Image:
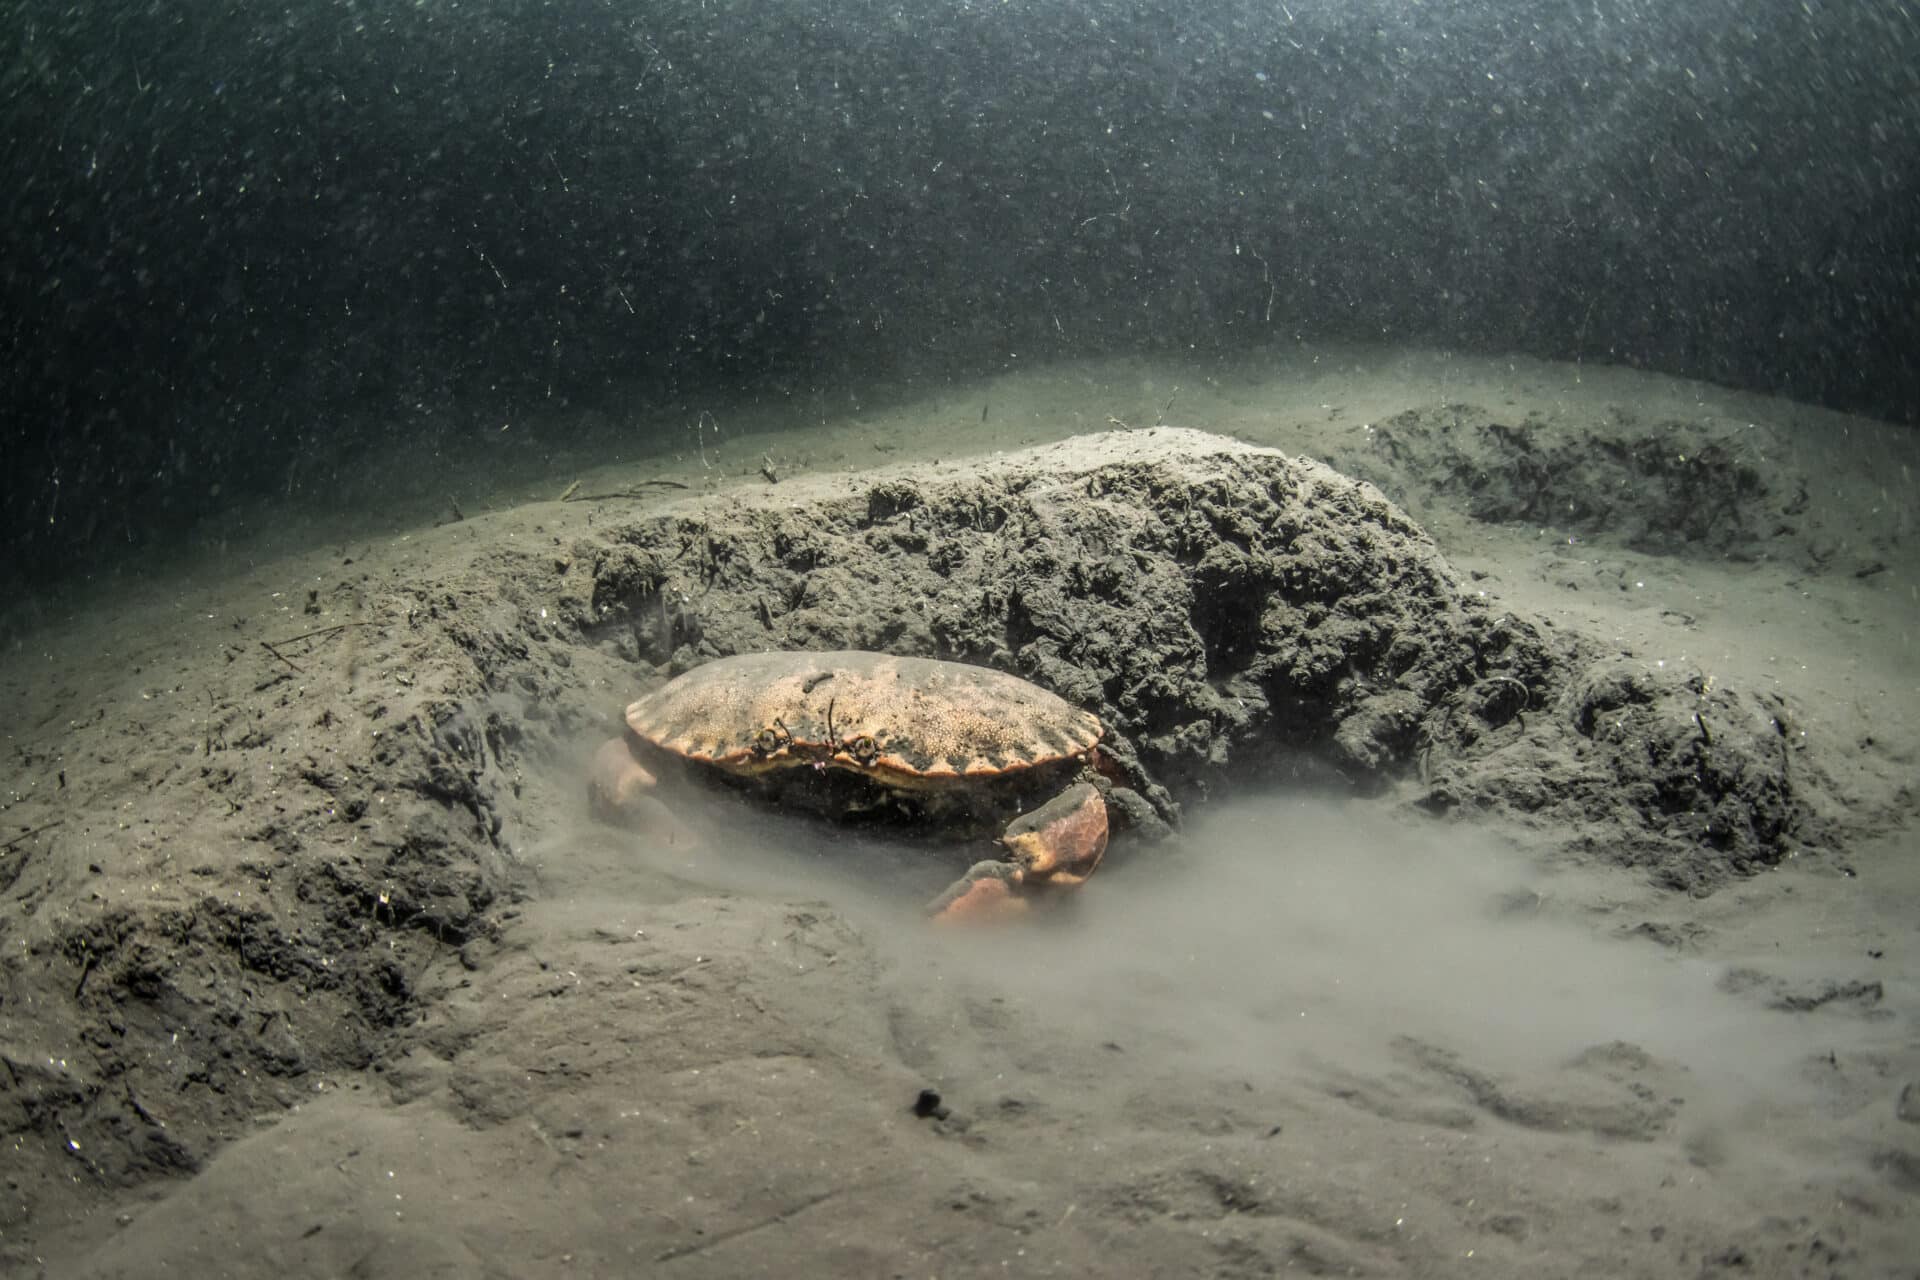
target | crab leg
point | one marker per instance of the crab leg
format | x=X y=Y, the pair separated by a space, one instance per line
x=616 y=782
x=620 y=792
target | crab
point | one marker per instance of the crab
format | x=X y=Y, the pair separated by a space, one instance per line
x=946 y=746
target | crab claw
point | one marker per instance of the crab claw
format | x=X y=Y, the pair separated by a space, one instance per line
x=989 y=893
x=1057 y=846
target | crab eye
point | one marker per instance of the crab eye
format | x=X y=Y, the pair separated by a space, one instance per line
x=862 y=748
x=767 y=741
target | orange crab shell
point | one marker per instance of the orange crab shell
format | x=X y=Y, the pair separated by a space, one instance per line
x=910 y=723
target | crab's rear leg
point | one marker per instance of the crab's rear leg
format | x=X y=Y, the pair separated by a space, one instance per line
x=1054 y=847
x=620 y=792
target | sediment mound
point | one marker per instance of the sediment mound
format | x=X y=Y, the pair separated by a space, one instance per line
x=226 y=881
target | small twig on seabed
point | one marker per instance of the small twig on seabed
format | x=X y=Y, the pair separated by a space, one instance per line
x=635 y=492
x=1526 y=694
x=272 y=646
x=318 y=632
x=28 y=834
x=268 y=646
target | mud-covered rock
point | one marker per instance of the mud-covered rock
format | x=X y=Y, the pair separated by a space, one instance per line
x=1221 y=607
x=233 y=889
x=1645 y=767
x=1679 y=487
x=1236 y=617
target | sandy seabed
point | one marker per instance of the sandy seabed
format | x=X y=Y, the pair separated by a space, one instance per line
x=315 y=966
